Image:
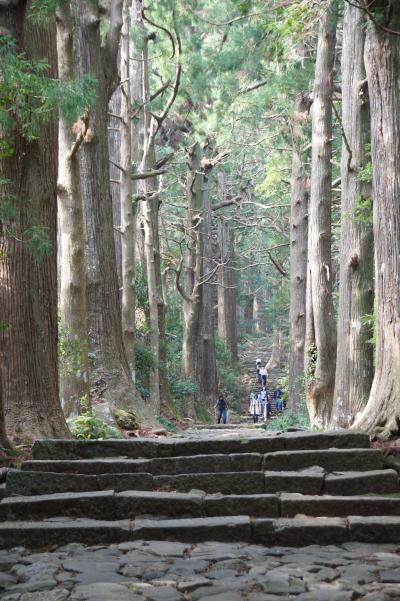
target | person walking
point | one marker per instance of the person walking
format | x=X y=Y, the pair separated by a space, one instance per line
x=278 y=399
x=255 y=407
x=263 y=374
x=258 y=364
x=221 y=410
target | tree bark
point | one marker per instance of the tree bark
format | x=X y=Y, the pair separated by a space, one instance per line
x=74 y=369
x=258 y=309
x=207 y=365
x=111 y=380
x=298 y=250
x=4 y=442
x=320 y=352
x=276 y=355
x=382 y=61
x=192 y=264
x=354 y=366
x=248 y=313
x=227 y=326
x=28 y=283
x=128 y=206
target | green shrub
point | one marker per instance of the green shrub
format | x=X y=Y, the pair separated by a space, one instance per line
x=86 y=426
x=167 y=424
x=182 y=388
x=287 y=420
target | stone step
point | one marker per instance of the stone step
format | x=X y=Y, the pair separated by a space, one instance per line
x=149 y=448
x=108 y=505
x=337 y=506
x=330 y=459
x=311 y=481
x=266 y=531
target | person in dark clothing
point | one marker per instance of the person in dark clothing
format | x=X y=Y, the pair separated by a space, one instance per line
x=278 y=399
x=221 y=410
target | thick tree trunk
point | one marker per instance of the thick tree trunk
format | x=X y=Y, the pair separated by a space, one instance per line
x=111 y=380
x=276 y=355
x=198 y=351
x=4 y=442
x=258 y=310
x=128 y=206
x=382 y=61
x=192 y=264
x=354 y=366
x=321 y=328
x=298 y=250
x=227 y=326
x=74 y=369
x=248 y=312
x=28 y=282
x=114 y=149
x=207 y=366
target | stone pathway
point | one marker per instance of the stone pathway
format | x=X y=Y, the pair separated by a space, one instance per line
x=171 y=571
x=214 y=516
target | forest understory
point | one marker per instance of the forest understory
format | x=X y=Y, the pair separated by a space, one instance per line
x=188 y=187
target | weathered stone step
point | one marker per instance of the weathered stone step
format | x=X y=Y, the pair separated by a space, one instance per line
x=330 y=459
x=337 y=506
x=108 y=505
x=157 y=466
x=37 y=483
x=312 y=481
x=281 y=531
x=175 y=447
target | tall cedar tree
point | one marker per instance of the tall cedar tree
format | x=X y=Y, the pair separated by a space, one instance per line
x=298 y=249
x=28 y=282
x=382 y=62
x=354 y=366
x=110 y=375
x=320 y=319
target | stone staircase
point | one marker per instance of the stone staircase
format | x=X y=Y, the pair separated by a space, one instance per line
x=292 y=489
x=258 y=347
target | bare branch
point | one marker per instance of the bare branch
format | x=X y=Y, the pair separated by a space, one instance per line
x=147 y=174
x=117 y=165
x=254 y=86
x=169 y=34
x=81 y=135
x=278 y=266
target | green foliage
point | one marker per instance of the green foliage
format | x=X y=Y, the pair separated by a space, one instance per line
x=7 y=202
x=144 y=360
x=71 y=349
x=88 y=427
x=365 y=174
x=43 y=10
x=363 y=211
x=168 y=425
x=38 y=241
x=29 y=97
x=228 y=373
x=312 y=356
x=369 y=321
x=183 y=388
x=288 y=420
x=141 y=288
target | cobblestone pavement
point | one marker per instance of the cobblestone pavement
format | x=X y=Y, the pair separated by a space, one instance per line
x=168 y=571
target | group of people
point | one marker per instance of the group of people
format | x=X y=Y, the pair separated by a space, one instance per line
x=260 y=403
